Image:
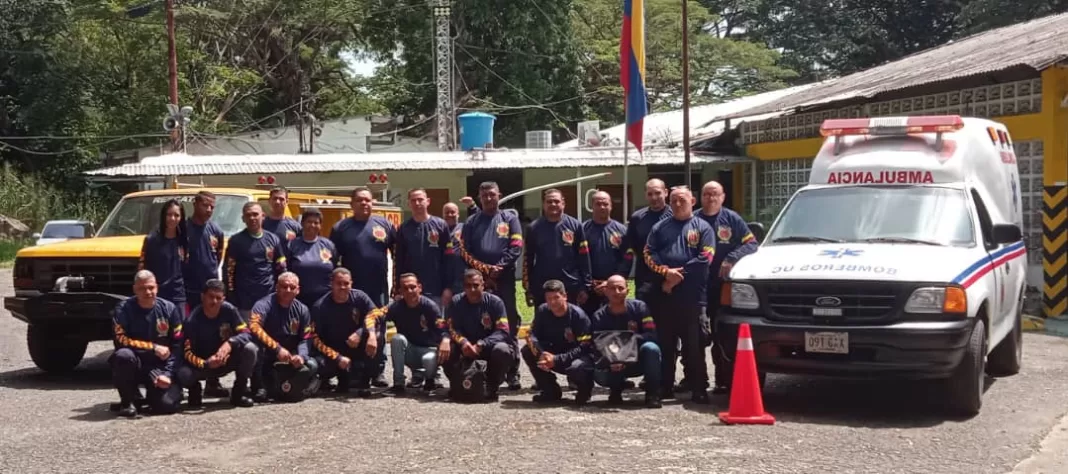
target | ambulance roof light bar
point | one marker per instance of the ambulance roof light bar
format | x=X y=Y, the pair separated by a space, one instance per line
x=891 y=126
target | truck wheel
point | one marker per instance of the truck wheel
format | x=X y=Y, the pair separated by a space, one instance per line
x=1007 y=356
x=52 y=352
x=965 y=386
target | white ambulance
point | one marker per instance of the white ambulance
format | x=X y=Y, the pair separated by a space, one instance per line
x=902 y=257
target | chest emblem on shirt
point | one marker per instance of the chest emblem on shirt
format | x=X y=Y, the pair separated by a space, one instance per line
x=213 y=241
x=693 y=237
x=502 y=229
x=325 y=255
x=224 y=331
x=724 y=233
x=379 y=233
x=269 y=251
x=294 y=326
x=290 y=235
x=568 y=237
x=569 y=335
x=355 y=315
x=162 y=327
x=432 y=238
x=632 y=326
x=422 y=322
x=615 y=240
x=487 y=321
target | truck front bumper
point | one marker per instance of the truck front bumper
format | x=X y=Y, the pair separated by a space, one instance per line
x=86 y=313
x=913 y=350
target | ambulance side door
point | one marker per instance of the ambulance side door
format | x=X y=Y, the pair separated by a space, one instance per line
x=994 y=278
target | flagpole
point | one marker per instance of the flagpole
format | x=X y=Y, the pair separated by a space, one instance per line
x=626 y=180
x=686 y=94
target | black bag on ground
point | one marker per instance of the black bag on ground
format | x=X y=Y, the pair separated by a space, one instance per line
x=616 y=347
x=470 y=383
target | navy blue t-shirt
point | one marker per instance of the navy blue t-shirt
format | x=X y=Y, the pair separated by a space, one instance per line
x=334 y=322
x=733 y=238
x=638 y=228
x=492 y=240
x=141 y=329
x=421 y=250
x=204 y=335
x=567 y=337
x=203 y=256
x=557 y=251
x=610 y=252
x=454 y=262
x=483 y=322
x=164 y=258
x=313 y=262
x=688 y=244
x=252 y=264
x=363 y=247
x=276 y=326
x=422 y=325
x=634 y=318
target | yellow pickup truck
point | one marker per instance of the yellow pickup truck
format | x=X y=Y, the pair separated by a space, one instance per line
x=67 y=291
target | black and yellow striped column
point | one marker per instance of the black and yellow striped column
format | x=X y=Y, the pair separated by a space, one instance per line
x=1054 y=250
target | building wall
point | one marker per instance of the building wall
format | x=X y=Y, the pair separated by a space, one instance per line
x=1031 y=110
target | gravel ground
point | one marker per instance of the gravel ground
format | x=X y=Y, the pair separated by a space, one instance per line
x=50 y=424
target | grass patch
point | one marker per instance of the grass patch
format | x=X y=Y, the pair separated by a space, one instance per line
x=8 y=249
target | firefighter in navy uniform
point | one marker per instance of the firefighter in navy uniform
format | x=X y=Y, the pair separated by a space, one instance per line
x=217 y=342
x=610 y=253
x=422 y=241
x=491 y=242
x=203 y=258
x=282 y=325
x=148 y=341
x=343 y=323
x=559 y=340
x=556 y=249
x=679 y=251
x=733 y=241
x=625 y=314
x=276 y=222
x=254 y=258
x=364 y=242
x=478 y=329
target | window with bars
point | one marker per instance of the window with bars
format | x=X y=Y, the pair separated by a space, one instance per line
x=779 y=180
x=1029 y=156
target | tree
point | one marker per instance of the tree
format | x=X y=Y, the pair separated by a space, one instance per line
x=981 y=15
x=721 y=68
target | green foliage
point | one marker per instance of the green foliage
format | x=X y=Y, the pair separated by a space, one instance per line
x=980 y=15
x=8 y=249
x=34 y=202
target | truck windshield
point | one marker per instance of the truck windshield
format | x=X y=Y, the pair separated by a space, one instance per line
x=920 y=215
x=140 y=215
x=71 y=230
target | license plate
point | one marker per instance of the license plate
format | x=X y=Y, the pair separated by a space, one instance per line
x=827 y=342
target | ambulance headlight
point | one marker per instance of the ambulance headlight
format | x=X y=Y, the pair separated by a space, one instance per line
x=937 y=300
x=744 y=296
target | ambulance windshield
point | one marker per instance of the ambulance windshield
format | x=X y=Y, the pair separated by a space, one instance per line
x=918 y=215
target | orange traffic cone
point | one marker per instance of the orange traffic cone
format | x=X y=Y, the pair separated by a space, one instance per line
x=747 y=404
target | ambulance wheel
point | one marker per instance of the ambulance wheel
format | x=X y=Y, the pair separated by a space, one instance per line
x=52 y=352
x=1007 y=356
x=965 y=387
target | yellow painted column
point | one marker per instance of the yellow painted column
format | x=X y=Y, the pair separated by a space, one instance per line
x=1055 y=193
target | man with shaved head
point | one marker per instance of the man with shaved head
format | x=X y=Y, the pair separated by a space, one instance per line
x=678 y=252
x=148 y=341
x=626 y=314
x=610 y=253
x=733 y=241
x=282 y=326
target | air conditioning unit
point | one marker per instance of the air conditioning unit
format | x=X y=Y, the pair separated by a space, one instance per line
x=589 y=133
x=540 y=139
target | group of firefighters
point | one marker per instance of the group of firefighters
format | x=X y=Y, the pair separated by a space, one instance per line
x=293 y=310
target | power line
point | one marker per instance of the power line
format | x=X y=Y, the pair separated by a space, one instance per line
x=5 y=145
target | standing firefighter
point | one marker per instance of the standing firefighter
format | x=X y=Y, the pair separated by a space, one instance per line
x=364 y=241
x=421 y=244
x=610 y=253
x=556 y=249
x=679 y=251
x=733 y=241
x=491 y=242
x=253 y=259
x=204 y=254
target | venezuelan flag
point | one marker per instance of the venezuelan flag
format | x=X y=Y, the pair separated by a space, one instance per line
x=632 y=68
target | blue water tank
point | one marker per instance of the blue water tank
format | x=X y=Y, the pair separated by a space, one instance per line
x=476 y=130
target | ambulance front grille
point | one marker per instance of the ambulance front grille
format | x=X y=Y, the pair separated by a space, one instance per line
x=858 y=302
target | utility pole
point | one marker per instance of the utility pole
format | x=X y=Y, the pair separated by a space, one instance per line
x=172 y=68
x=686 y=93
x=442 y=10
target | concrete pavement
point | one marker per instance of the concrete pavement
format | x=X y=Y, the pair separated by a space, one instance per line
x=50 y=424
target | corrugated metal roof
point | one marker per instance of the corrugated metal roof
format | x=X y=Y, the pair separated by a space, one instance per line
x=665 y=128
x=1037 y=44
x=196 y=165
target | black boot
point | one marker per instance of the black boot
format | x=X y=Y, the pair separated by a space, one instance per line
x=214 y=389
x=196 y=396
x=550 y=393
x=127 y=409
x=615 y=397
x=344 y=383
x=584 y=394
x=237 y=395
x=652 y=399
x=700 y=397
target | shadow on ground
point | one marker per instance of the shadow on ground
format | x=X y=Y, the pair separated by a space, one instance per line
x=92 y=374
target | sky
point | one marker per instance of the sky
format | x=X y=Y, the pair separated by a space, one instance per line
x=360 y=66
